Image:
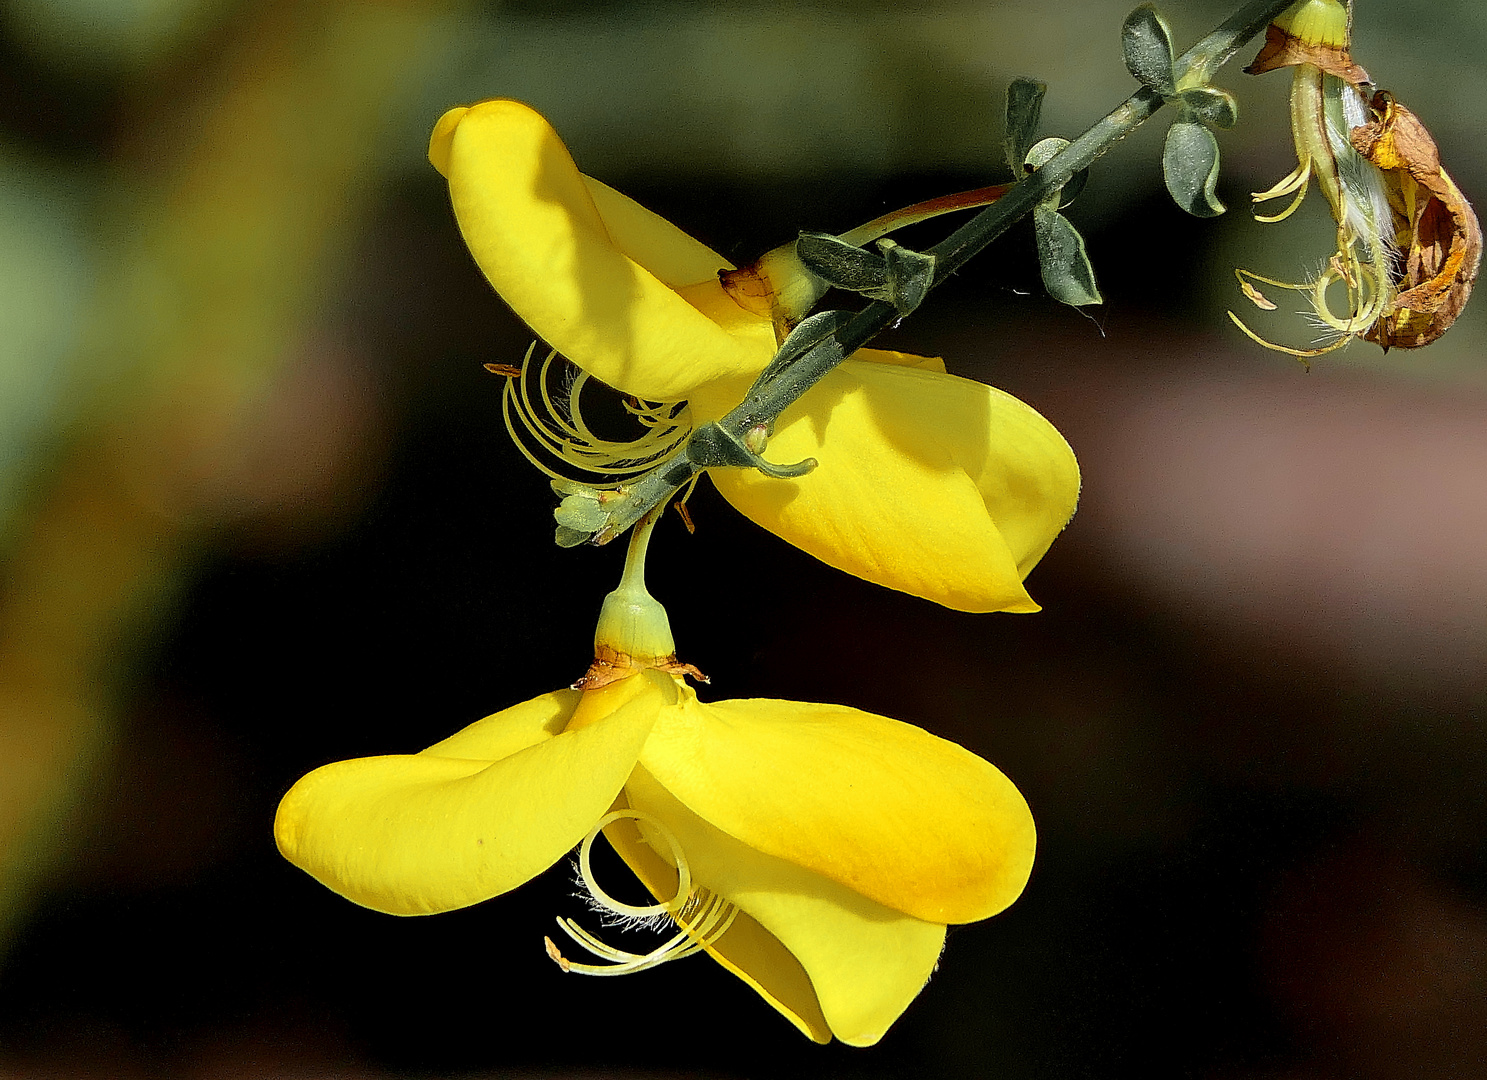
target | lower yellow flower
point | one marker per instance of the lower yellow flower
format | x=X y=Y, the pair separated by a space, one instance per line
x=818 y=852
x=835 y=845
x=930 y=484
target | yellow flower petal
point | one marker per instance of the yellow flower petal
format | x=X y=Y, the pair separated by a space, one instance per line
x=909 y=820
x=673 y=256
x=670 y=254
x=529 y=218
x=866 y=962
x=504 y=733
x=746 y=949
x=935 y=364
x=930 y=484
x=415 y=834
x=442 y=137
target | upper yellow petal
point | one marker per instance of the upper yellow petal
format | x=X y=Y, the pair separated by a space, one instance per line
x=415 y=834
x=530 y=220
x=931 y=484
x=866 y=962
x=890 y=811
x=674 y=257
x=504 y=733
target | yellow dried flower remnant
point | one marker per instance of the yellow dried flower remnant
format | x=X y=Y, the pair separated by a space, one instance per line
x=1436 y=232
x=931 y=484
x=1408 y=243
x=1312 y=39
x=815 y=851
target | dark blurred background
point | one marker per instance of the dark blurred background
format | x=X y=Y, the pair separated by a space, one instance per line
x=258 y=512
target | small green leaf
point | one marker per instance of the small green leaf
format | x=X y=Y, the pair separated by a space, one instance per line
x=839 y=263
x=898 y=275
x=1067 y=274
x=573 y=487
x=1024 y=107
x=1040 y=155
x=808 y=333
x=910 y=274
x=1147 y=42
x=565 y=537
x=1072 y=189
x=1190 y=164
x=1044 y=151
x=1210 y=105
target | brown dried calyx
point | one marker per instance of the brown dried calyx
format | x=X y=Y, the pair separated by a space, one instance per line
x=1436 y=229
x=1315 y=32
x=1282 y=49
x=610 y=666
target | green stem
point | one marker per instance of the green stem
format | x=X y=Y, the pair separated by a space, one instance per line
x=631 y=622
x=632 y=579
x=766 y=400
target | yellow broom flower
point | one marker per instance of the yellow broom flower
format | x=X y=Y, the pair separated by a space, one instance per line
x=930 y=484
x=818 y=852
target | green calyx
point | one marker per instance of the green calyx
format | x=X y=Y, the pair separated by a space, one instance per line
x=632 y=623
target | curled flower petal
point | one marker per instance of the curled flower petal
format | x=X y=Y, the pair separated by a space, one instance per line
x=866 y=962
x=674 y=257
x=415 y=834
x=504 y=733
x=937 y=486
x=530 y=220
x=1436 y=229
x=886 y=809
x=746 y=949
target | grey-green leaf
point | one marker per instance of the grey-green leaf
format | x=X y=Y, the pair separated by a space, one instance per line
x=841 y=264
x=1024 y=107
x=1072 y=189
x=808 y=333
x=1210 y=105
x=1044 y=151
x=571 y=538
x=1190 y=164
x=1147 y=41
x=1067 y=274
x=910 y=274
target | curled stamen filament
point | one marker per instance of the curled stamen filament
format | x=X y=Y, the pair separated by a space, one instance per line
x=705 y=918
x=1366 y=301
x=1296 y=182
x=700 y=915
x=557 y=436
x=1324 y=110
